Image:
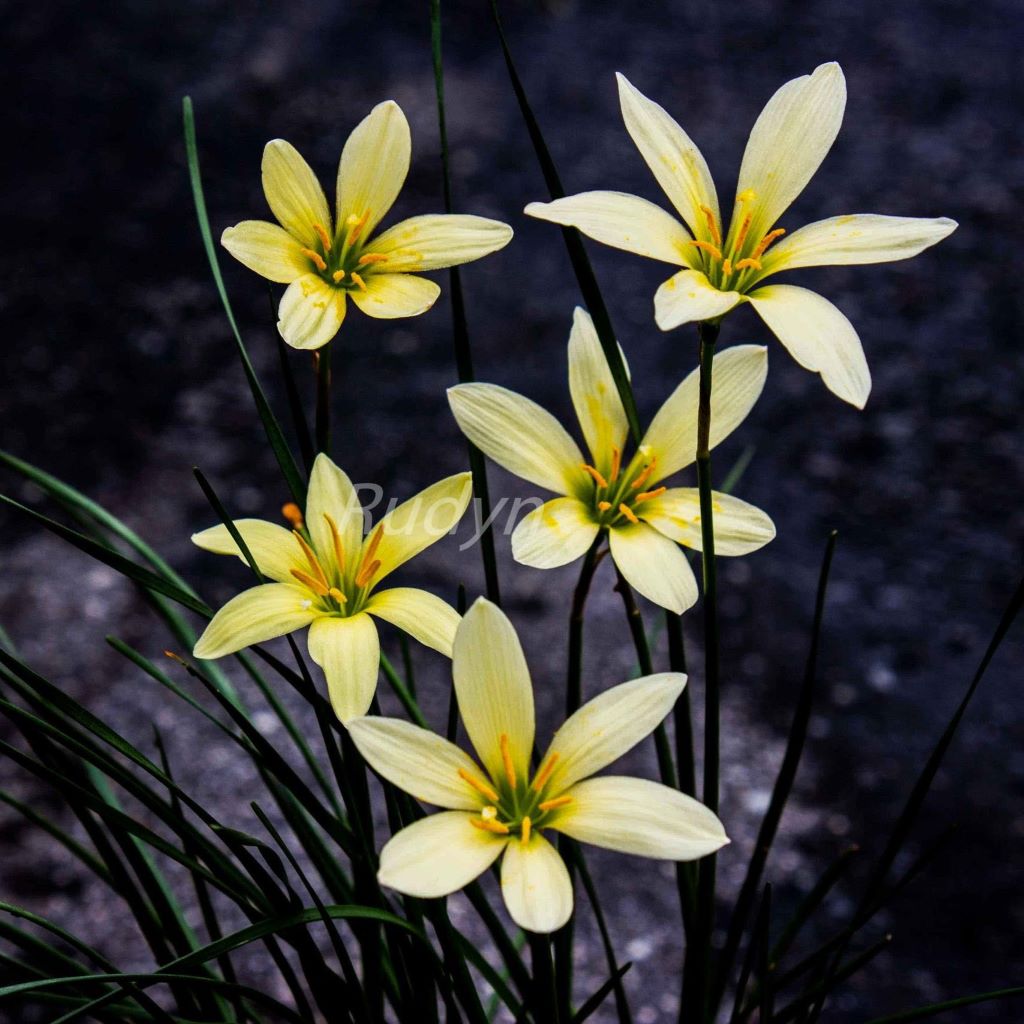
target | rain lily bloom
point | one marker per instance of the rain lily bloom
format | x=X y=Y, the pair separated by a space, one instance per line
x=325 y=574
x=726 y=264
x=644 y=519
x=323 y=260
x=505 y=807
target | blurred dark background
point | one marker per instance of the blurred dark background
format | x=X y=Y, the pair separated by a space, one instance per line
x=119 y=375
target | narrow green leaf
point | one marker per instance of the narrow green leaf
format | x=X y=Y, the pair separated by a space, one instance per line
x=593 y=1004
x=934 y=1009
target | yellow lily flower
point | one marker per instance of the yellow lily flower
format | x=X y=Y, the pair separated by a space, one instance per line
x=325 y=573
x=645 y=521
x=324 y=261
x=727 y=265
x=504 y=807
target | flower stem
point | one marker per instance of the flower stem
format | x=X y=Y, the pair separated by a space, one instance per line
x=574 y=686
x=544 y=980
x=322 y=364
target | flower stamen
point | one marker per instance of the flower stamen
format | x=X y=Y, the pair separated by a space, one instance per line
x=481 y=787
x=506 y=760
x=315 y=257
x=293 y=514
x=525 y=833
x=616 y=463
x=314 y=562
x=355 y=225
x=339 y=551
x=338 y=275
x=708 y=247
x=712 y=225
x=766 y=241
x=369 y=565
x=358 y=280
x=628 y=513
x=647 y=495
x=645 y=474
x=318 y=588
x=337 y=595
x=603 y=506
x=372 y=257
x=550 y=805
x=727 y=266
x=486 y=825
x=594 y=474
x=545 y=773
x=750 y=262
x=325 y=239
x=741 y=235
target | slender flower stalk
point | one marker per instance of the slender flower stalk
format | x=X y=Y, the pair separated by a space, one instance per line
x=725 y=265
x=501 y=808
x=325 y=574
x=326 y=260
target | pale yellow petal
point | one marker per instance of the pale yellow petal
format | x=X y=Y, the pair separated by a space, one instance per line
x=311 y=312
x=427 y=618
x=433 y=241
x=419 y=762
x=535 y=885
x=739 y=528
x=392 y=296
x=272 y=546
x=438 y=855
x=267 y=249
x=672 y=156
x=788 y=142
x=293 y=193
x=261 y=613
x=640 y=817
x=520 y=436
x=331 y=494
x=348 y=650
x=373 y=167
x=654 y=566
x=856 y=238
x=594 y=394
x=557 y=533
x=623 y=221
x=419 y=522
x=689 y=297
x=818 y=336
x=737 y=379
x=611 y=724
x=492 y=684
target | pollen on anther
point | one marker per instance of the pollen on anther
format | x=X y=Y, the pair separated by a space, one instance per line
x=727 y=266
x=480 y=787
x=603 y=506
x=358 y=280
x=325 y=239
x=293 y=514
x=550 y=805
x=337 y=595
x=647 y=495
x=506 y=760
x=338 y=275
x=372 y=257
x=545 y=773
x=525 y=836
x=628 y=513
x=316 y=258
x=709 y=216
x=616 y=463
x=594 y=475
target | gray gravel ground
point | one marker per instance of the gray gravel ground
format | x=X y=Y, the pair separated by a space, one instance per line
x=118 y=374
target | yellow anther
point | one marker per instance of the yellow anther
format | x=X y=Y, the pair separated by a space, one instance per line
x=647 y=495
x=337 y=595
x=338 y=275
x=628 y=513
x=367 y=572
x=358 y=280
x=741 y=235
x=325 y=239
x=506 y=760
x=597 y=478
x=489 y=826
x=315 y=585
x=339 y=551
x=545 y=773
x=550 y=805
x=766 y=241
x=293 y=514
x=315 y=257
x=355 y=225
x=368 y=566
x=727 y=266
x=372 y=257
x=525 y=836
x=645 y=474
x=481 y=787
x=743 y=264
x=603 y=506
x=616 y=462
x=748 y=195
x=314 y=562
x=708 y=247
x=712 y=224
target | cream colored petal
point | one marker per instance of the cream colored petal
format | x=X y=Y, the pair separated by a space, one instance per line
x=675 y=161
x=520 y=436
x=272 y=546
x=739 y=528
x=348 y=650
x=418 y=761
x=331 y=494
x=654 y=566
x=737 y=379
x=623 y=221
x=689 y=297
x=438 y=855
x=391 y=296
x=856 y=238
x=311 y=312
x=788 y=142
x=818 y=336
x=419 y=522
x=640 y=817
x=439 y=240
x=373 y=167
x=427 y=618
x=261 y=613
x=492 y=684
x=267 y=249
x=293 y=193
x=557 y=533
x=535 y=884
x=611 y=724
x=594 y=394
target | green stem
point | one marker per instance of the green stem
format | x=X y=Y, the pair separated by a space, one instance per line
x=545 y=998
x=322 y=363
x=574 y=686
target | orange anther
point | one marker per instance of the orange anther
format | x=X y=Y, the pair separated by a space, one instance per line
x=316 y=258
x=293 y=514
x=594 y=474
x=628 y=513
x=545 y=773
x=481 y=787
x=712 y=224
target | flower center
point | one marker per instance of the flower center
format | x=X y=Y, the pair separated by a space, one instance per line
x=342 y=261
x=726 y=265
x=516 y=806
x=616 y=497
